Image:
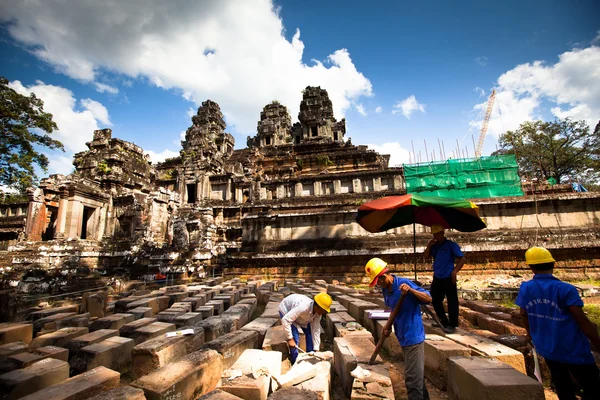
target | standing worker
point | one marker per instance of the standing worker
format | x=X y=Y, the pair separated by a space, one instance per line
x=408 y=324
x=299 y=310
x=448 y=259
x=558 y=328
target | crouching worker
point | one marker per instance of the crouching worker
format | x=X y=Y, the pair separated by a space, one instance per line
x=408 y=324
x=298 y=310
x=552 y=313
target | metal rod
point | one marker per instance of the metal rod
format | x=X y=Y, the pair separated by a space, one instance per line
x=426 y=152
x=415 y=248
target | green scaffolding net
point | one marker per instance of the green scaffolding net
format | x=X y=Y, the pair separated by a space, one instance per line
x=467 y=178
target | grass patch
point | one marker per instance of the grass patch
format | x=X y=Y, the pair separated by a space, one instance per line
x=593 y=313
x=587 y=281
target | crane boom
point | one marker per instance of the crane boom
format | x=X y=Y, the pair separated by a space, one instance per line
x=486 y=121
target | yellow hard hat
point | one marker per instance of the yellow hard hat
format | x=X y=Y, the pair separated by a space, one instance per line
x=323 y=300
x=374 y=269
x=538 y=255
x=436 y=228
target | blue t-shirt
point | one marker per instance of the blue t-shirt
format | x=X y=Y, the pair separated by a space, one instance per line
x=408 y=324
x=554 y=331
x=443 y=258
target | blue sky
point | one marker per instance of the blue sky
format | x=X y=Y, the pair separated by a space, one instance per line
x=398 y=71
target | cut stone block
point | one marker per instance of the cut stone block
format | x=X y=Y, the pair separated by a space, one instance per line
x=141 y=312
x=320 y=384
x=240 y=313
x=115 y=321
x=113 y=353
x=334 y=318
x=9 y=349
x=348 y=352
x=187 y=319
x=169 y=315
x=195 y=302
x=342 y=330
x=37 y=376
x=16 y=332
x=176 y=297
x=34 y=316
x=89 y=338
x=158 y=352
x=253 y=303
x=246 y=386
x=232 y=345
x=293 y=393
x=26 y=359
x=122 y=304
x=151 y=331
x=94 y=304
x=60 y=338
x=76 y=320
x=215 y=327
x=80 y=387
x=437 y=352
x=121 y=393
x=206 y=311
x=271 y=310
x=185 y=379
x=218 y=394
x=356 y=309
x=187 y=306
x=218 y=306
x=479 y=378
x=163 y=302
x=377 y=386
x=275 y=340
x=128 y=329
x=145 y=303
x=260 y=326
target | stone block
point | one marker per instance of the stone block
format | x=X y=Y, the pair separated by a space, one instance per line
x=501 y=315
x=253 y=305
x=89 y=338
x=15 y=332
x=342 y=330
x=79 y=320
x=470 y=315
x=437 y=352
x=195 y=302
x=151 y=331
x=240 y=313
x=40 y=323
x=206 y=311
x=187 y=306
x=271 y=310
x=60 y=338
x=356 y=309
x=23 y=360
x=145 y=303
x=141 y=312
x=215 y=327
x=260 y=326
x=218 y=306
x=232 y=345
x=113 y=353
x=163 y=302
x=345 y=301
x=121 y=305
x=185 y=379
x=320 y=385
x=187 y=319
x=13 y=348
x=275 y=340
x=348 y=352
x=115 y=321
x=218 y=394
x=34 y=316
x=227 y=298
x=37 y=376
x=80 y=387
x=479 y=378
x=247 y=387
x=94 y=304
x=377 y=386
x=336 y=318
x=176 y=297
x=121 y=393
x=128 y=329
x=158 y=352
x=517 y=342
x=169 y=315
x=293 y=393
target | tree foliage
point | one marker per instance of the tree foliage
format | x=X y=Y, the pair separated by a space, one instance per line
x=558 y=149
x=25 y=128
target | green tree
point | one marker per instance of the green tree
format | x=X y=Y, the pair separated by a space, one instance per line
x=554 y=149
x=25 y=128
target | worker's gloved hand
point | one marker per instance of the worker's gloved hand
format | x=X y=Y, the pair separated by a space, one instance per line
x=291 y=343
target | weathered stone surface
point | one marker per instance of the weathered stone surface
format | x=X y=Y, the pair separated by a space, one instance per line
x=80 y=387
x=334 y=318
x=232 y=345
x=184 y=379
x=13 y=348
x=293 y=393
x=121 y=393
x=240 y=314
x=30 y=379
x=141 y=312
x=60 y=338
x=115 y=321
x=275 y=340
x=22 y=360
x=89 y=338
x=437 y=352
x=36 y=315
x=16 y=332
x=158 y=352
x=150 y=331
x=218 y=306
x=113 y=353
x=260 y=326
x=246 y=386
x=187 y=319
x=348 y=352
x=271 y=310
x=356 y=309
x=215 y=327
x=128 y=329
x=145 y=303
x=320 y=384
x=218 y=394
x=206 y=311
x=377 y=386
x=479 y=378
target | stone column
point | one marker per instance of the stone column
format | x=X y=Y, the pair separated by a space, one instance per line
x=356 y=186
x=337 y=186
x=280 y=192
x=228 y=190
x=74 y=219
x=298 y=189
x=377 y=184
x=61 y=217
x=398 y=182
x=36 y=216
x=317 y=188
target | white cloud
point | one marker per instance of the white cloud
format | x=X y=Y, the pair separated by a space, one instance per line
x=408 y=106
x=398 y=155
x=181 y=137
x=479 y=91
x=190 y=113
x=101 y=87
x=378 y=110
x=361 y=109
x=482 y=60
x=568 y=88
x=76 y=125
x=162 y=156
x=233 y=52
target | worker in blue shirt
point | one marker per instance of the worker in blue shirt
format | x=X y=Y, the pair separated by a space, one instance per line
x=558 y=328
x=448 y=260
x=408 y=324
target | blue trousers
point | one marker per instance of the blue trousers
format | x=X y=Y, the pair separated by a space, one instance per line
x=309 y=341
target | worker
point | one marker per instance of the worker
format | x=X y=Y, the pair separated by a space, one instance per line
x=558 y=328
x=448 y=260
x=408 y=324
x=298 y=310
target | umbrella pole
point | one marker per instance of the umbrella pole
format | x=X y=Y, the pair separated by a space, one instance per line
x=415 y=249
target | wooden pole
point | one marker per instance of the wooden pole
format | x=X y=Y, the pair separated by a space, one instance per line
x=388 y=327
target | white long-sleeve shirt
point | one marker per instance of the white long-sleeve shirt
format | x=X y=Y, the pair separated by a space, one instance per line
x=298 y=309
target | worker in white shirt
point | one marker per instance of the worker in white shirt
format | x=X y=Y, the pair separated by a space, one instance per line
x=299 y=310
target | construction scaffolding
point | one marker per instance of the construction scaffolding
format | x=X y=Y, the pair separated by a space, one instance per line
x=466 y=178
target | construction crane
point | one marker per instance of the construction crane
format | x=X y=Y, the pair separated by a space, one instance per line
x=484 y=125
